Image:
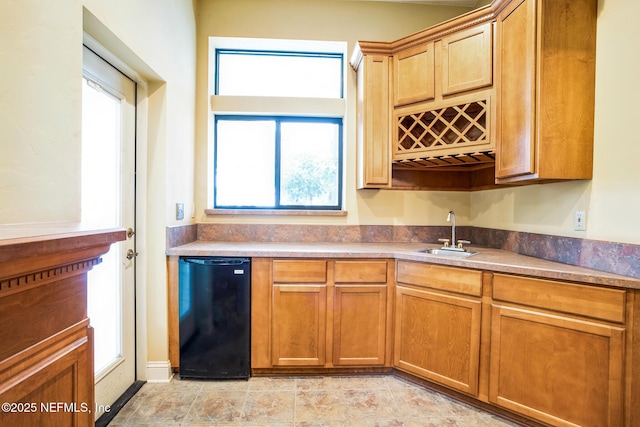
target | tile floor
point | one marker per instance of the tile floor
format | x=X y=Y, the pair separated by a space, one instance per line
x=331 y=401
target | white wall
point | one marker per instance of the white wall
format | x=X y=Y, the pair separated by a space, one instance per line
x=40 y=93
x=40 y=119
x=612 y=198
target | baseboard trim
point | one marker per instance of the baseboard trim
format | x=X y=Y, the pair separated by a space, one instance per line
x=159 y=372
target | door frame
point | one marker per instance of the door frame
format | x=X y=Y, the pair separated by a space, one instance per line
x=140 y=227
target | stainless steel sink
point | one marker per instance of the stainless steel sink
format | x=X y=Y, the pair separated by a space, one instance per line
x=448 y=253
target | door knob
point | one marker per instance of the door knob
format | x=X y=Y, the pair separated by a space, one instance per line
x=130 y=232
x=131 y=254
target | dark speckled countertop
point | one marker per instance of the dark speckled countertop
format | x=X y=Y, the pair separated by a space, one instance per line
x=487 y=259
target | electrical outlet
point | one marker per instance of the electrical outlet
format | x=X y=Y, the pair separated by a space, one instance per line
x=179 y=210
x=579 y=221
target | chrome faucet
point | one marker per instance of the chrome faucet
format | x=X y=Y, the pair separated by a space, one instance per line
x=452 y=218
x=455 y=245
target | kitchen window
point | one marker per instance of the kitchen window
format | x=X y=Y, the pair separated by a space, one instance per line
x=278 y=162
x=277 y=140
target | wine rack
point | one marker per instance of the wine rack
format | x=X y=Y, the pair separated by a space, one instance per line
x=451 y=135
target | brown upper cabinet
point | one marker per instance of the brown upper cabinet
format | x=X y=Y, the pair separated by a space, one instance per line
x=457 y=62
x=467 y=59
x=374 y=109
x=546 y=90
x=501 y=95
x=442 y=100
x=414 y=74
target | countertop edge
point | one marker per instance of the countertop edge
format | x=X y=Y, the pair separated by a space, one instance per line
x=495 y=260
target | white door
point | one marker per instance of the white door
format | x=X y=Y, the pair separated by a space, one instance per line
x=108 y=200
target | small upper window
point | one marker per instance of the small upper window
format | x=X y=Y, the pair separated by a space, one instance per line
x=282 y=74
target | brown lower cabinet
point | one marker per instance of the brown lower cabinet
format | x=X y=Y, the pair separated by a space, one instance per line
x=437 y=337
x=298 y=325
x=321 y=313
x=437 y=333
x=557 y=351
x=557 y=369
x=553 y=351
x=360 y=325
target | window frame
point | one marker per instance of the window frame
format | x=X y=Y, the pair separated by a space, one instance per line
x=290 y=106
x=279 y=119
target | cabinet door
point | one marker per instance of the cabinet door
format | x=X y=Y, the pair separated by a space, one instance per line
x=51 y=384
x=467 y=59
x=299 y=325
x=559 y=370
x=359 y=325
x=374 y=123
x=414 y=74
x=515 y=90
x=437 y=337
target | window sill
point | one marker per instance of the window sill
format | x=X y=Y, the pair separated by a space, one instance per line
x=275 y=212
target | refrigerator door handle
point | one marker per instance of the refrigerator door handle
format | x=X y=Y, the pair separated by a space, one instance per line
x=216 y=261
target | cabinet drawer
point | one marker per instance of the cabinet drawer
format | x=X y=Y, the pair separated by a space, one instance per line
x=440 y=277
x=583 y=300
x=361 y=271
x=299 y=271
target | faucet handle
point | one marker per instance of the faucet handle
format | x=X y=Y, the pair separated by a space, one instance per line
x=445 y=241
x=463 y=242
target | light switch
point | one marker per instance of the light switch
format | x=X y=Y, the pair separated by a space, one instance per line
x=580 y=221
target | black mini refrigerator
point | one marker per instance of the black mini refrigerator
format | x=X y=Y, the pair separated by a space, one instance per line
x=215 y=322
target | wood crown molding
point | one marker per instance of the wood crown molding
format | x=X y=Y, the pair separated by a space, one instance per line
x=445 y=28
x=31 y=280
x=30 y=262
x=470 y=19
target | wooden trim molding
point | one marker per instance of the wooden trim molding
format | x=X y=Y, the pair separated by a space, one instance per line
x=475 y=17
x=43 y=277
x=438 y=31
x=25 y=255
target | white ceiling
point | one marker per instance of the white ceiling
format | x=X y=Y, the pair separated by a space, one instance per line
x=466 y=3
